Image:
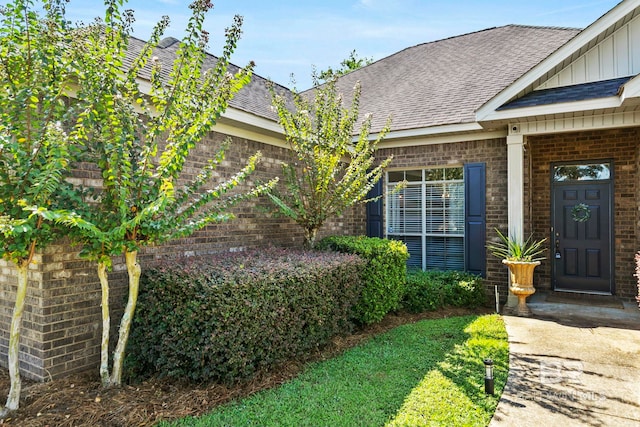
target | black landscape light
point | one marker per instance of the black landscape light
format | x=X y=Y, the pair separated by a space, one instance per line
x=488 y=376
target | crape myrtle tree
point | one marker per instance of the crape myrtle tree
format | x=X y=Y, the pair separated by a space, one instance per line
x=330 y=170
x=36 y=67
x=140 y=137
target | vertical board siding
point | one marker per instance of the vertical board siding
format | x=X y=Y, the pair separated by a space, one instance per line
x=588 y=122
x=618 y=55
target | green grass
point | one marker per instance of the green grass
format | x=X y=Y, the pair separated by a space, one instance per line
x=422 y=374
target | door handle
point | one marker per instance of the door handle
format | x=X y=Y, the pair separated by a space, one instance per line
x=558 y=254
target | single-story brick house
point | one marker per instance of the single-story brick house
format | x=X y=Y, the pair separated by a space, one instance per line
x=509 y=128
x=516 y=128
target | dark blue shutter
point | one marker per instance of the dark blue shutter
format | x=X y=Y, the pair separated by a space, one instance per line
x=475 y=220
x=374 y=212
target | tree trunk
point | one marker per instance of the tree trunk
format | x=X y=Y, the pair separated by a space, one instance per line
x=133 y=268
x=13 y=399
x=310 y=237
x=106 y=324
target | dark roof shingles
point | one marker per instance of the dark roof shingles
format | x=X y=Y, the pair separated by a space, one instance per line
x=436 y=83
x=445 y=82
x=580 y=92
x=253 y=98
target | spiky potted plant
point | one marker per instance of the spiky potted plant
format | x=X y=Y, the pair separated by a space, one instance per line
x=521 y=257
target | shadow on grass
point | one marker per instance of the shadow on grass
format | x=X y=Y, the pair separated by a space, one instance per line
x=367 y=385
x=453 y=393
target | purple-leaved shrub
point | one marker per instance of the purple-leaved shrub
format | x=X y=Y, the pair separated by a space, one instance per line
x=224 y=317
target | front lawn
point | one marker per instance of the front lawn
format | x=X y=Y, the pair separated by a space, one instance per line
x=427 y=373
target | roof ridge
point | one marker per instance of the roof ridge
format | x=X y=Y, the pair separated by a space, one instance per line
x=495 y=28
x=170 y=41
x=550 y=27
x=465 y=35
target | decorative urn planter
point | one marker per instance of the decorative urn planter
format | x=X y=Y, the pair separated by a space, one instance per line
x=521 y=274
x=521 y=257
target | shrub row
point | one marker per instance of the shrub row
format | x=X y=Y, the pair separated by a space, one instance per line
x=225 y=317
x=384 y=275
x=431 y=290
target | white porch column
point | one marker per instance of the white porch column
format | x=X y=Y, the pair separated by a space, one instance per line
x=515 y=180
x=515 y=173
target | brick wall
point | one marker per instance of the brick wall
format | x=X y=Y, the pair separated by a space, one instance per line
x=62 y=321
x=621 y=145
x=492 y=152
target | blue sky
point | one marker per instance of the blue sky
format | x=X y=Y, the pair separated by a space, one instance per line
x=289 y=36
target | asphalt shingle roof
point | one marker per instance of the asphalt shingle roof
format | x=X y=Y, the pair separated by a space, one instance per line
x=436 y=83
x=446 y=81
x=253 y=98
x=580 y=92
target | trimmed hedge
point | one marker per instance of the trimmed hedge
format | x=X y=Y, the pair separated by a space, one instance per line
x=431 y=290
x=227 y=316
x=384 y=276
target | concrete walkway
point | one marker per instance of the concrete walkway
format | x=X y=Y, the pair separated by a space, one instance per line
x=572 y=365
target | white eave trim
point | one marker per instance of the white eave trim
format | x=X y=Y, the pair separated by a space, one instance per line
x=630 y=90
x=245 y=125
x=252 y=120
x=559 y=108
x=230 y=113
x=239 y=123
x=564 y=52
x=430 y=131
x=447 y=134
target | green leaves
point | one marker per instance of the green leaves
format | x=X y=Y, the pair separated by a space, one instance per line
x=433 y=290
x=36 y=148
x=384 y=274
x=512 y=249
x=141 y=136
x=328 y=171
x=346 y=66
x=75 y=94
x=121 y=124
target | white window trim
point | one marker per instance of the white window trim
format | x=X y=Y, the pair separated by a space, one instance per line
x=423 y=234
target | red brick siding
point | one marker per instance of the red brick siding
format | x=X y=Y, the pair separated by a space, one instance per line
x=492 y=152
x=62 y=322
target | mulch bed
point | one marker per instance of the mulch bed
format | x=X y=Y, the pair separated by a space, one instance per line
x=79 y=400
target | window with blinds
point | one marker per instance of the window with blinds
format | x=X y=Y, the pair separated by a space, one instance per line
x=428 y=215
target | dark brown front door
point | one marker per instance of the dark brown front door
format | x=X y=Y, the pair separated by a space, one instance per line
x=582 y=249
